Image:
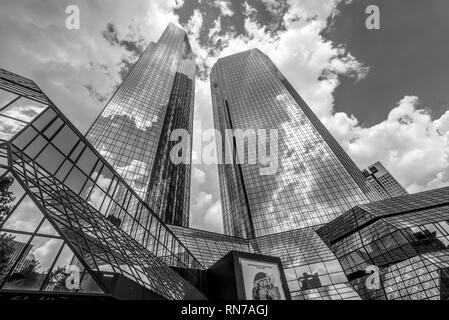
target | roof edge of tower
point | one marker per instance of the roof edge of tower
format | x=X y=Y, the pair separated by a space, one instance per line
x=237 y=54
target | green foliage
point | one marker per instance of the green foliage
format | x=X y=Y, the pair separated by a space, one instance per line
x=6 y=241
x=6 y=196
x=6 y=251
x=26 y=276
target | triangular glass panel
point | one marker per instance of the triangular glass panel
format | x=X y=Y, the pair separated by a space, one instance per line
x=12 y=246
x=47 y=229
x=89 y=285
x=26 y=217
x=34 y=265
x=66 y=274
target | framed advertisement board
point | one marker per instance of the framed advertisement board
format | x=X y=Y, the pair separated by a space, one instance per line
x=262 y=280
x=247 y=276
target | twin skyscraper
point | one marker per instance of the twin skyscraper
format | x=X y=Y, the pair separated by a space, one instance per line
x=315 y=182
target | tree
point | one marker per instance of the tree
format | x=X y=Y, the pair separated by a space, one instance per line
x=6 y=241
x=26 y=276
x=6 y=196
x=6 y=251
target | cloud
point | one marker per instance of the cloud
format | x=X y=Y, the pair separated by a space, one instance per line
x=213 y=219
x=224 y=6
x=202 y=199
x=136 y=173
x=132 y=42
x=276 y=7
x=248 y=10
x=409 y=143
x=45 y=250
x=194 y=25
x=207 y=212
x=198 y=175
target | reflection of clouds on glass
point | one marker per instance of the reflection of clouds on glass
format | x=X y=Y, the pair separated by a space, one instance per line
x=140 y=121
x=9 y=127
x=23 y=110
x=296 y=178
x=25 y=218
x=45 y=250
x=17 y=192
x=6 y=97
x=104 y=152
x=135 y=173
x=67 y=258
x=47 y=229
x=105 y=268
x=97 y=195
x=131 y=132
x=103 y=182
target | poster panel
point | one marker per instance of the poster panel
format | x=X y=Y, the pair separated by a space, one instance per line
x=262 y=280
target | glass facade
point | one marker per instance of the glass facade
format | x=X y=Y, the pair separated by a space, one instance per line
x=406 y=237
x=209 y=247
x=383 y=181
x=64 y=206
x=133 y=131
x=316 y=180
x=312 y=271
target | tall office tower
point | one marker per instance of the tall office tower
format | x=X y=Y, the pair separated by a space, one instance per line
x=316 y=180
x=133 y=130
x=383 y=181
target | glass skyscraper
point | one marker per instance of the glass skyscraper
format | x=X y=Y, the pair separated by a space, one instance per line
x=316 y=181
x=383 y=181
x=133 y=131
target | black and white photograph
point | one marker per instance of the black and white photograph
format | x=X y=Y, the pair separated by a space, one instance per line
x=154 y=150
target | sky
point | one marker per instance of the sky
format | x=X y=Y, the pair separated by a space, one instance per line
x=382 y=93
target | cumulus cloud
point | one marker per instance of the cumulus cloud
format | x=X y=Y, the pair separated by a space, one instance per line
x=225 y=7
x=409 y=143
x=275 y=7
x=207 y=212
x=198 y=175
x=213 y=218
x=44 y=251
x=133 y=42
